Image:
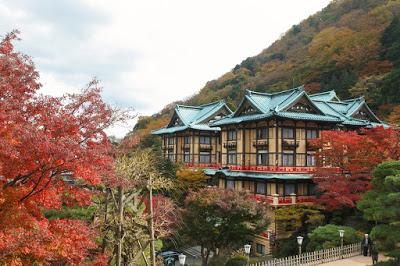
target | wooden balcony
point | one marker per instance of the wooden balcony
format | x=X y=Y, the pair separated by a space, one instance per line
x=168 y=147
x=230 y=144
x=205 y=147
x=276 y=200
x=186 y=146
x=260 y=143
x=290 y=143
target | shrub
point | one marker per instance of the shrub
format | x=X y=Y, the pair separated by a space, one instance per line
x=327 y=236
x=237 y=261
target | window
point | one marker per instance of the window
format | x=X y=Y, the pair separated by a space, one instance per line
x=262 y=157
x=311 y=189
x=231 y=135
x=270 y=188
x=312 y=133
x=231 y=157
x=280 y=189
x=186 y=140
x=186 y=156
x=302 y=189
x=311 y=159
x=171 y=141
x=260 y=188
x=288 y=158
x=289 y=189
x=248 y=185
x=171 y=157
x=205 y=157
x=260 y=249
x=288 y=133
x=204 y=140
x=230 y=184
x=262 y=133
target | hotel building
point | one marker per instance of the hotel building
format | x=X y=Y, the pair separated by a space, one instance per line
x=263 y=147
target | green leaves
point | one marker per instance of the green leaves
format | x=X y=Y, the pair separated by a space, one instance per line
x=327 y=236
x=382 y=205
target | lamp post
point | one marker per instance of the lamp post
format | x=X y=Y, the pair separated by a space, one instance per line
x=299 y=242
x=247 y=248
x=341 y=234
x=182 y=259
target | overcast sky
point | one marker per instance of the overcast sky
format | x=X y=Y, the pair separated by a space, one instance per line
x=146 y=53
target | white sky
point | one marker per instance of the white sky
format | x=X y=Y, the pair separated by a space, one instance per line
x=146 y=53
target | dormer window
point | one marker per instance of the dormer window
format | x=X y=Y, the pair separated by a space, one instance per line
x=248 y=110
x=300 y=107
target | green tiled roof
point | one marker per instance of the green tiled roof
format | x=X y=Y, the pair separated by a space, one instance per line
x=327 y=107
x=325 y=96
x=264 y=176
x=194 y=117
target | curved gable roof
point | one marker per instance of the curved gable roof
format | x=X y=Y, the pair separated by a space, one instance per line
x=193 y=116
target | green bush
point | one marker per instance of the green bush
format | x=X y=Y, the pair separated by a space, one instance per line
x=327 y=236
x=388 y=263
x=237 y=261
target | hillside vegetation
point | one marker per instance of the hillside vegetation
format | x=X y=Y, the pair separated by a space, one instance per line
x=351 y=46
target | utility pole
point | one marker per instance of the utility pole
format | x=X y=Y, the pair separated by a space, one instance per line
x=152 y=249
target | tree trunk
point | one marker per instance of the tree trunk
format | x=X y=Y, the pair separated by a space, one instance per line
x=105 y=239
x=120 y=221
x=152 y=249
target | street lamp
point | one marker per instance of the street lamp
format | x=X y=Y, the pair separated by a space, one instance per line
x=247 y=248
x=341 y=234
x=299 y=242
x=182 y=259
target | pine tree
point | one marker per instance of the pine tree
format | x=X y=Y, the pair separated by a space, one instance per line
x=382 y=205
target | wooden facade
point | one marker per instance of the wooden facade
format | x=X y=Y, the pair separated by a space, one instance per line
x=264 y=147
x=193 y=148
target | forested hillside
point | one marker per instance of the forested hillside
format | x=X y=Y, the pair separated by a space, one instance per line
x=351 y=46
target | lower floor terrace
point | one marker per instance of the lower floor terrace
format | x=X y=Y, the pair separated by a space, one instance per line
x=276 y=189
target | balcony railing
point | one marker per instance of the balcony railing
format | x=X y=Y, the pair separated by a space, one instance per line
x=283 y=169
x=277 y=200
x=186 y=146
x=290 y=143
x=260 y=143
x=205 y=147
x=168 y=147
x=230 y=144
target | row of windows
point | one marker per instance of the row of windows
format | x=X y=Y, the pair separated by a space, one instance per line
x=262 y=133
x=288 y=158
x=263 y=188
x=263 y=158
x=187 y=140
x=204 y=157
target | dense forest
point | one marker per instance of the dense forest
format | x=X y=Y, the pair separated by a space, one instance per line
x=351 y=46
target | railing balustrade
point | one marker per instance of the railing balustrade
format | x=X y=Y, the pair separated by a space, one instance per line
x=315 y=257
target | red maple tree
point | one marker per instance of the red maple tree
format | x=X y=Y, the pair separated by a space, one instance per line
x=51 y=150
x=346 y=159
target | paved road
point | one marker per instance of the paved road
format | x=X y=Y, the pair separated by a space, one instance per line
x=353 y=261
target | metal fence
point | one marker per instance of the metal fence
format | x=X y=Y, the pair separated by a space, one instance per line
x=316 y=257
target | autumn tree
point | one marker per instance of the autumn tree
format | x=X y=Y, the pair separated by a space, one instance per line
x=218 y=219
x=345 y=162
x=381 y=205
x=124 y=214
x=51 y=150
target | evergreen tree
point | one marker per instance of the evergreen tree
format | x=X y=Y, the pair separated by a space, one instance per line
x=382 y=205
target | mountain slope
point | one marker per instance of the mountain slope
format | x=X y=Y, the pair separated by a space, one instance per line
x=352 y=46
